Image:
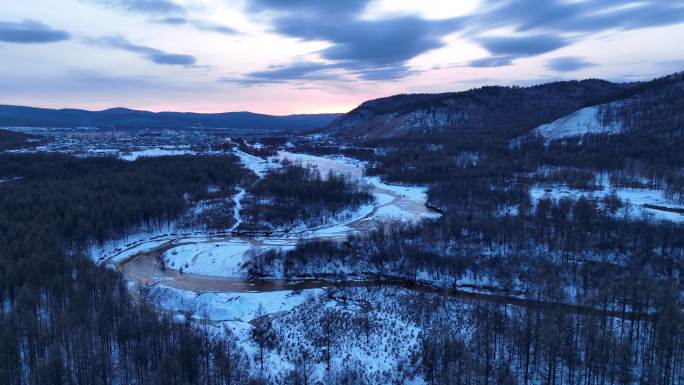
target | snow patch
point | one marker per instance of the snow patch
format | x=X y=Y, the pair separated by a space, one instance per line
x=584 y=121
x=227 y=306
x=154 y=152
x=257 y=165
x=223 y=259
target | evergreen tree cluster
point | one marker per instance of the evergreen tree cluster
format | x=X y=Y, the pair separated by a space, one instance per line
x=64 y=320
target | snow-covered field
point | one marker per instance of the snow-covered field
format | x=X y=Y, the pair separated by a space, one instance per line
x=223 y=259
x=337 y=164
x=584 y=121
x=307 y=323
x=258 y=165
x=634 y=200
x=154 y=152
x=226 y=306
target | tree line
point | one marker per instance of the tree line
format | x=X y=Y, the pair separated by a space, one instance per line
x=64 y=320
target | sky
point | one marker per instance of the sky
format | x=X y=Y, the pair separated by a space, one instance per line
x=304 y=56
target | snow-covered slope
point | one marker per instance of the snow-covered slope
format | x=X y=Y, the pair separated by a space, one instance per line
x=491 y=109
x=584 y=121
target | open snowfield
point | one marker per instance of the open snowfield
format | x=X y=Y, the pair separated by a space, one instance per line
x=154 y=152
x=258 y=165
x=222 y=259
x=633 y=198
x=337 y=164
x=218 y=307
x=584 y=121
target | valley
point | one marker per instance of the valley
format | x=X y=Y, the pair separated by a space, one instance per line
x=387 y=257
x=359 y=192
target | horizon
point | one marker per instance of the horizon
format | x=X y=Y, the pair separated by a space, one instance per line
x=285 y=58
x=324 y=112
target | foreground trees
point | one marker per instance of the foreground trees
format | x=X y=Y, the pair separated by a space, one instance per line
x=64 y=320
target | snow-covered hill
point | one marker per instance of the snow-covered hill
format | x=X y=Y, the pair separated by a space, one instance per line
x=581 y=122
x=487 y=109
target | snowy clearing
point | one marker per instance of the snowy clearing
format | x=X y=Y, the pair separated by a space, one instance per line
x=154 y=152
x=584 y=121
x=257 y=165
x=634 y=200
x=226 y=306
x=211 y=258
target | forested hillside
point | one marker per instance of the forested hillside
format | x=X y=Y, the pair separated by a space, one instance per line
x=487 y=111
x=502 y=113
x=657 y=109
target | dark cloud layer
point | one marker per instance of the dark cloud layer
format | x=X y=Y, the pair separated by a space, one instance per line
x=372 y=49
x=383 y=47
x=560 y=16
x=492 y=61
x=295 y=71
x=551 y=21
x=522 y=45
x=30 y=32
x=310 y=70
x=154 y=55
x=568 y=64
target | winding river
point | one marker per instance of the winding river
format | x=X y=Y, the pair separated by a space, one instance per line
x=214 y=262
x=139 y=261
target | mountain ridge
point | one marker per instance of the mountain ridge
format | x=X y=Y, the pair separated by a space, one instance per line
x=505 y=112
x=125 y=118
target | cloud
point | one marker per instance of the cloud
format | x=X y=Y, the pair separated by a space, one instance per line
x=386 y=73
x=492 y=61
x=311 y=7
x=577 y=16
x=389 y=42
x=383 y=46
x=198 y=24
x=568 y=64
x=304 y=70
x=505 y=49
x=166 y=12
x=30 y=32
x=546 y=25
x=522 y=45
x=152 y=7
x=173 y=20
x=154 y=55
x=311 y=70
